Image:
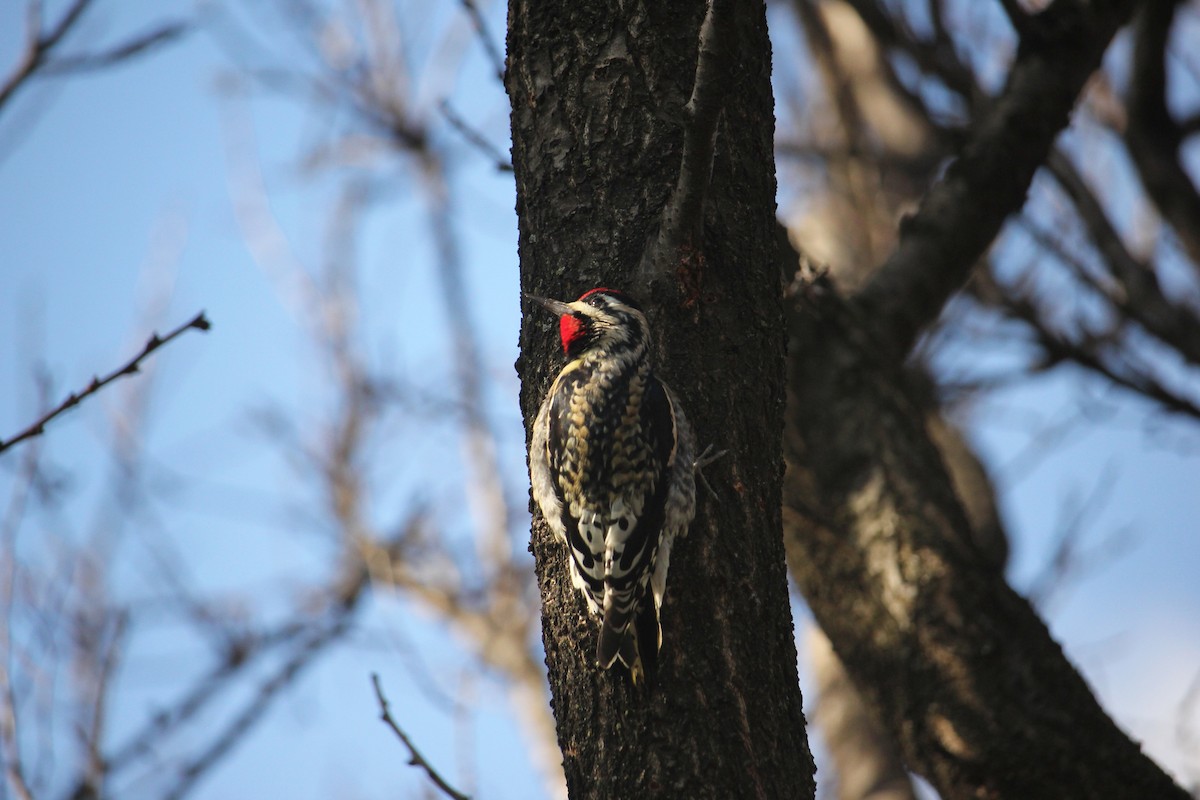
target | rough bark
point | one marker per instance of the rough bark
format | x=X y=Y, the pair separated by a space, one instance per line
x=599 y=94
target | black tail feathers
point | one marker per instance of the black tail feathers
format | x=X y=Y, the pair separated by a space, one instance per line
x=632 y=641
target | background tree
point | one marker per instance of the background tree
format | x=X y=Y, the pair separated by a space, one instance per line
x=228 y=545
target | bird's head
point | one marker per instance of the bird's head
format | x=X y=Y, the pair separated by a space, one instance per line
x=600 y=318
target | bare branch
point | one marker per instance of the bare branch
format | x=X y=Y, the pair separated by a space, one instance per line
x=837 y=84
x=1153 y=136
x=415 y=759
x=683 y=214
x=35 y=57
x=37 y=45
x=1069 y=561
x=939 y=57
x=489 y=45
x=475 y=138
x=940 y=244
x=133 y=47
x=225 y=739
x=200 y=323
x=1088 y=349
x=1185 y=730
x=10 y=747
x=1141 y=297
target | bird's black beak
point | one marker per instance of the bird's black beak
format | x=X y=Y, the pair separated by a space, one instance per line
x=556 y=306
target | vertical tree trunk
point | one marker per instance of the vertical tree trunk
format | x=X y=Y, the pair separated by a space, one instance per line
x=598 y=93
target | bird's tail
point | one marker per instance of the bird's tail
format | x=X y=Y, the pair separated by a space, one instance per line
x=633 y=641
x=614 y=632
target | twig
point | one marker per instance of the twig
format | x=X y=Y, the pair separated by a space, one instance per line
x=10 y=748
x=200 y=322
x=224 y=740
x=128 y=49
x=489 y=46
x=475 y=138
x=35 y=56
x=1185 y=732
x=1086 y=349
x=416 y=759
x=1069 y=562
x=1141 y=296
x=38 y=44
x=683 y=214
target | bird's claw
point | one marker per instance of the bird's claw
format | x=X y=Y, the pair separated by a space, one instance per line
x=703 y=460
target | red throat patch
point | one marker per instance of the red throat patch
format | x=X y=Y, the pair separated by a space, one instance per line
x=570 y=328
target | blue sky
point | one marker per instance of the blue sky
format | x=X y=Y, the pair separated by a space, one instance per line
x=117 y=216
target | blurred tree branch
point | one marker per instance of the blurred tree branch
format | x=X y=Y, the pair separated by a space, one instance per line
x=1060 y=48
x=39 y=55
x=1152 y=133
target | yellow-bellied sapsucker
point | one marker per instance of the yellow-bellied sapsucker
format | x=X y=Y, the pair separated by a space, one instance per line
x=611 y=465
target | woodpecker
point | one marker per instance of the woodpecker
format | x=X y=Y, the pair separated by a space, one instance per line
x=611 y=465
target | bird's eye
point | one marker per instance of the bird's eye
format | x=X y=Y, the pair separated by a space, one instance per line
x=595 y=301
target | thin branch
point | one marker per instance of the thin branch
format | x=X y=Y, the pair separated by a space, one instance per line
x=1069 y=561
x=937 y=58
x=837 y=82
x=683 y=214
x=489 y=44
x=242 y=654
x=475 y=138
x=1153 y=136
x=1086 y=349
x=941 y=243
x=197 y=698
x=416 y=759
x=65 y=23
x=486 y=497
x=224 y=740
x=1141 y=297
x=35 y=56
x=1185 y=731
x=108 y=649
x=10 y=747
x=128 y=49
x=200 y=322
x=38 y=45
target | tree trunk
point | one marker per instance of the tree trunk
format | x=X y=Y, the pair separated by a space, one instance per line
x=599 y=95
